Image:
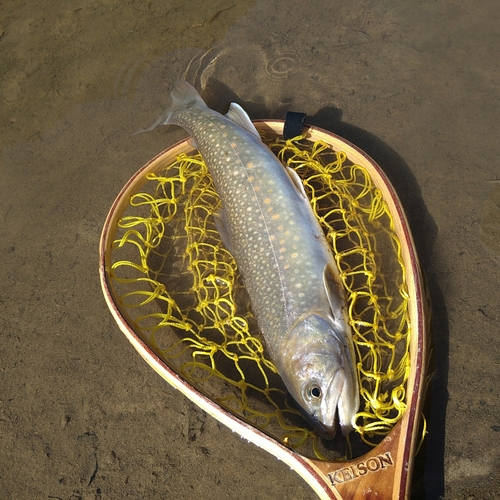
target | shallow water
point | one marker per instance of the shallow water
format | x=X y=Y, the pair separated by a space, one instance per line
x=413 y=84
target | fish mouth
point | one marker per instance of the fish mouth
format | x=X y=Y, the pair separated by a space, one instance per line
x=327 y=426
x=325 y=431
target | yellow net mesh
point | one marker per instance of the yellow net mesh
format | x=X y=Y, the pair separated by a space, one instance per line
x=181 y=289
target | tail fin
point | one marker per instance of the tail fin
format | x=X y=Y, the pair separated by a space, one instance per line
x=183 y=95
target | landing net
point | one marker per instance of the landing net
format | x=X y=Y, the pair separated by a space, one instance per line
x=182 y=291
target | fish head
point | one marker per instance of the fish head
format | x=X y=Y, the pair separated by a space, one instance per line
x=318 y=373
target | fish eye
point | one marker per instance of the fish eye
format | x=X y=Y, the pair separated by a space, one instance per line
x=313 y=392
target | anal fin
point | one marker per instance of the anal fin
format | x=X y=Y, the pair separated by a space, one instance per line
x=239 y=116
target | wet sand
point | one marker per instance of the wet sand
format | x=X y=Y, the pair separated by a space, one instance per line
x=416 y=85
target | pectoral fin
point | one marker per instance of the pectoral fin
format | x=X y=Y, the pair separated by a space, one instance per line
x=349 y=399
x=331 y=282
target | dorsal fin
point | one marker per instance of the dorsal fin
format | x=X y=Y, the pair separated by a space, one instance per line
x=239 y=116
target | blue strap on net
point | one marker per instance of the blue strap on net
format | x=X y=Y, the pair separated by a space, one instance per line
x=294 y=123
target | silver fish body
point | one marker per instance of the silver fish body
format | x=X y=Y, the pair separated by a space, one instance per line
x=287 y=266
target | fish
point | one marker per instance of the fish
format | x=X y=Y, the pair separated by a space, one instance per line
x=288 y=269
